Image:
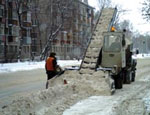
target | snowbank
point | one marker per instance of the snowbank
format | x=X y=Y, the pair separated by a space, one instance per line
x=60 y=96
x=141 y=56
x=23 y=66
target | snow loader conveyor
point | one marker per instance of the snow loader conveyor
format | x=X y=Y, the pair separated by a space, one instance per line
x=104 y=24
x=91 y=56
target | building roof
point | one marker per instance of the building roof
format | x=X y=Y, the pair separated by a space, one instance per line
x=86 y=4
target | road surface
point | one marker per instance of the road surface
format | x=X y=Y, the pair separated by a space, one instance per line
x=126 y=101
x=20 y=83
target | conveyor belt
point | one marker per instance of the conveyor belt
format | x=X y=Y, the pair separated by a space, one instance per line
x=91 y=56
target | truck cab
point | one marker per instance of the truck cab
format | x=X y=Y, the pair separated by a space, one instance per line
x=113 y=51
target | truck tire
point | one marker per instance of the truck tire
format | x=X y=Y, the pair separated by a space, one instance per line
x=124 y=76
x=118 y=81
x=133 y=77
x=128 y=77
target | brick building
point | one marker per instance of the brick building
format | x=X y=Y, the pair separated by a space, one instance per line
x=75 y=34
x=76 y=31
x=16 y=30
x=24 y=34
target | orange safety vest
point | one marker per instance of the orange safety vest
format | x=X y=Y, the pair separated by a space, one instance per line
x=49 y=64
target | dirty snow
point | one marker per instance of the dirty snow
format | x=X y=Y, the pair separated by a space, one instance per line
x=60 y=98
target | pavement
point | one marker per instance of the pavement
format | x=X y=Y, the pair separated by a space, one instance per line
x=20 y=83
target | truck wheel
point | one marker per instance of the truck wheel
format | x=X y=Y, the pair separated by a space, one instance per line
x=118 y=82
x=128 y=77
x=124 y=77
x=133 y=77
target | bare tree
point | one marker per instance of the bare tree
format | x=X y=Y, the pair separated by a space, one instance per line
x=35 y=11
x=104 y=3
x=55 y=29
x=20 y=12
x=5 y=42
x=146 y=10
x=126 y=24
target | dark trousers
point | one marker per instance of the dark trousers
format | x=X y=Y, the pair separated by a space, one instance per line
x=50 y=75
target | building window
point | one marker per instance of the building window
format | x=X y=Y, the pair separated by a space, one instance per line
x=34 y=22
x=15 y=31
x=29 y=17
x=1 y=49
x=1 y=29
x=10 y=38
x=26 y=17
x=1 y=12
x=11 y=49
x=26 y=33
x=14 y=14
x=15 y=48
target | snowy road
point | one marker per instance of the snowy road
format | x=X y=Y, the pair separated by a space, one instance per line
x=20 y=83
x=20 y=79
x=133 y=99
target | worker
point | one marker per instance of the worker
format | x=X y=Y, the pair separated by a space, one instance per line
x=50 y=67
x=115 y=45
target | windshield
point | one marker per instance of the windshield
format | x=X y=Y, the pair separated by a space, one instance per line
x=112 y=43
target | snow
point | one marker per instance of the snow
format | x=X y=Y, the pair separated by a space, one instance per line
x=146 y=100
x=22 y=66
x=89 y=106
x=141 y=56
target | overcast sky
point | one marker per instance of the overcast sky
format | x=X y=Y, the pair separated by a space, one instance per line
x=133 y=13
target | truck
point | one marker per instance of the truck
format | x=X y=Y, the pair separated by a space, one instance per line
x=116 y=58
x=103 y=54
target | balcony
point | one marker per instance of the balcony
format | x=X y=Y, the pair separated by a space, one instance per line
x=12 y=14
x=26 y=24
x=26 y=17
x=14 y=31
x=1 y=11
x=2 y=20
x=1 y=29
x=34 y=35
x=26 y=40
x=12 y=22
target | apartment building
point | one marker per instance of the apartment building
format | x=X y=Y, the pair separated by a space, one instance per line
x=2 y=27
x=77 y=20
x=16 y=30
x=76 y=33
x=26 y=27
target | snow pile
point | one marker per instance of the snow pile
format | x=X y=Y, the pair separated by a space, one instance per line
x=146 y=100
x=60 y=96
x=92 y=106
x=141 y=56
